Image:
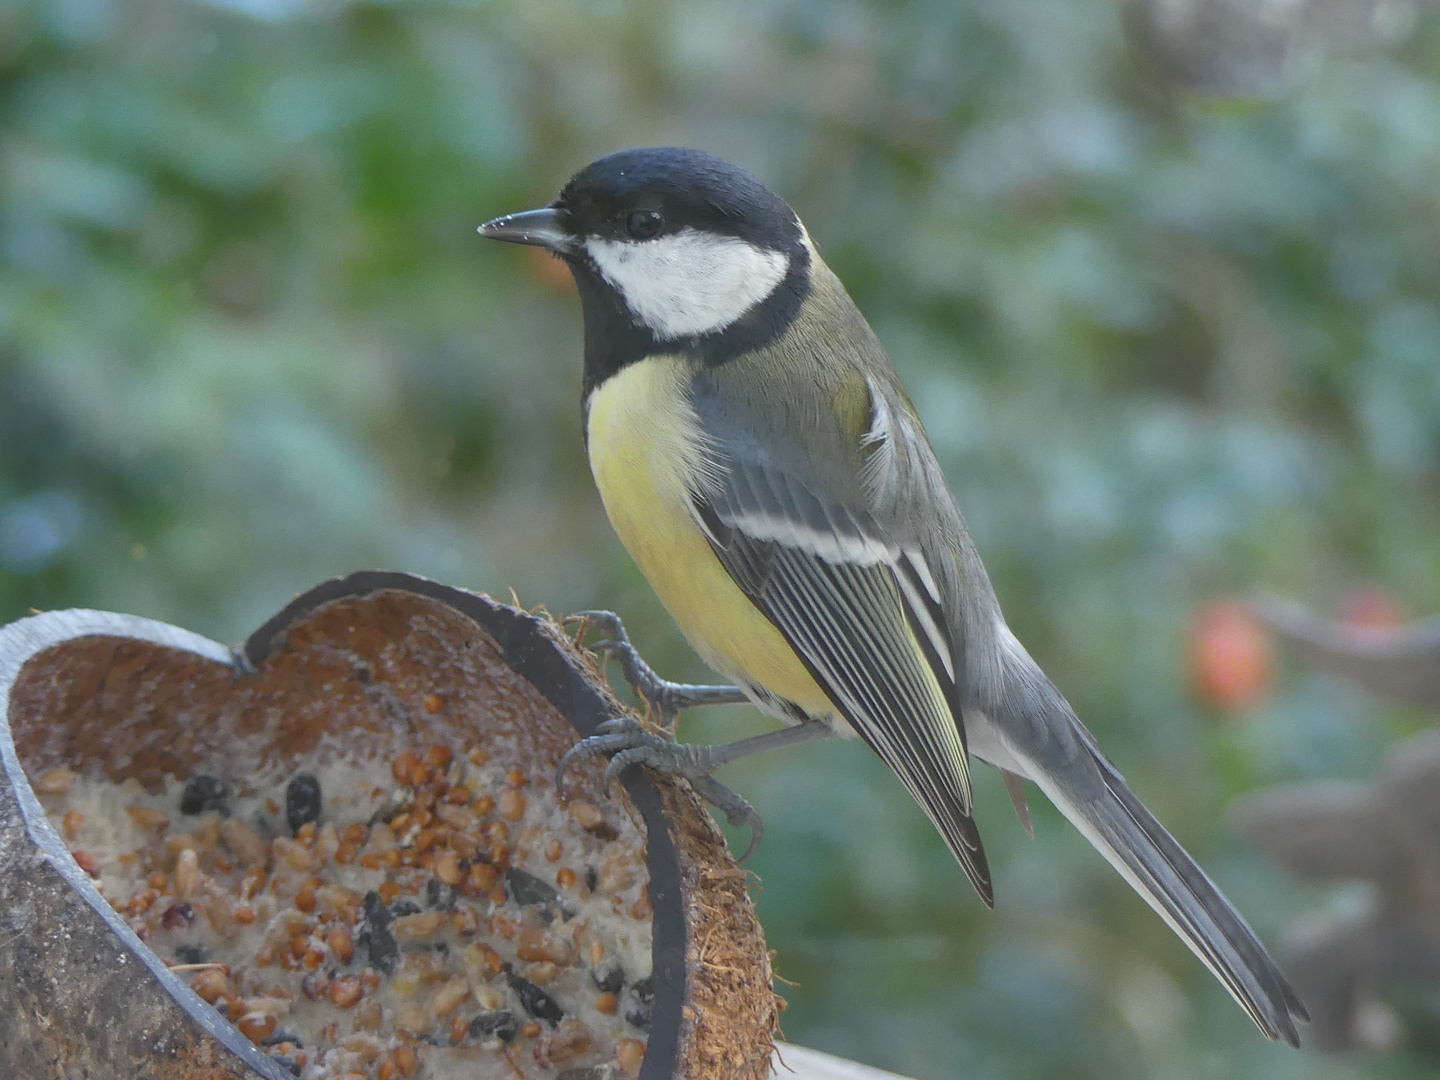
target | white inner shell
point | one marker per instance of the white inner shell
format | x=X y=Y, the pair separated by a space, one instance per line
x=689 y=282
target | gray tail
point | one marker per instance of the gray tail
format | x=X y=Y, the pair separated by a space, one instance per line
x=1171 y=882
x=1064 y=760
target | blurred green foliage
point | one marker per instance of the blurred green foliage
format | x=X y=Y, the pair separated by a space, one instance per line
x=1167 y=347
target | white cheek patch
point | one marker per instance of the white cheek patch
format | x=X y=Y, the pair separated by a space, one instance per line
x=690 y=282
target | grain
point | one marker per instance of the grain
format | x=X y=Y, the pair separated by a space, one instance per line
x=187 y=874
x=207 y=832
x=293 y=854
x=447 y=998
x=147 y=817
x=256 y=1026
x=243 y=841
x=483 y=959
x=629 y=1055
x=447 y=868
x=210 y=984
x=72 y=823
x=405 y=1060
x=423 y=927
x=368 y=1016
x=539 y=943
x=403 y=767
x=55 y=782
x=346 y=991
x=586 y=815
x=512 y=804
x=482 y=877
x=571 y=1039
x=341 y=944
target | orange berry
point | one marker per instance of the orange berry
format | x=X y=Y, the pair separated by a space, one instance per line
x=1230 y=665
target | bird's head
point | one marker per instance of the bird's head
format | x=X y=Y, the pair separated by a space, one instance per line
x=672 y=250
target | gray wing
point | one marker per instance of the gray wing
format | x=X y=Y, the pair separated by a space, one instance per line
x=862 y=612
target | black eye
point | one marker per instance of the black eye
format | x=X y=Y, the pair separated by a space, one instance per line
x=643 y=224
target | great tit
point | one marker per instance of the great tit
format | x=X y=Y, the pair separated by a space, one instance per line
x=761 y=462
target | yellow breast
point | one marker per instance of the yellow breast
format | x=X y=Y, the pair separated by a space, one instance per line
x=644 y=446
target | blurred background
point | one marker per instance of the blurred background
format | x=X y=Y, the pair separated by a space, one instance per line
x=1163 y=277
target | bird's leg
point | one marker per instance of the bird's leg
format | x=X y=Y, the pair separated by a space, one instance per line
x=631 y=743
x=668 y=699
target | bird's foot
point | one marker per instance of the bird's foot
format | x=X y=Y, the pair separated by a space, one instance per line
x=668 y=699
x=632 y=743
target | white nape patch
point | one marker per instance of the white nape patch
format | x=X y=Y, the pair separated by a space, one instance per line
x=689 y=282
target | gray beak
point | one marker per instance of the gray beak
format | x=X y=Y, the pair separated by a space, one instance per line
x=539 y=228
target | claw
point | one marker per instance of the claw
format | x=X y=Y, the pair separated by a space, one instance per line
x=617 y=736
x=586 y=749
x=667 y=698
x=631 y=743
x=605 y=620
x=622 y=761
x=738 y=811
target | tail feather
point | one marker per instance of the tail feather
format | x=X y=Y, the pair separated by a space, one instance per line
x=1171 y=882
x=1039 y=732
x=1231 y=923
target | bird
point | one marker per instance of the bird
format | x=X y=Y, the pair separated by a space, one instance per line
x=760 y=460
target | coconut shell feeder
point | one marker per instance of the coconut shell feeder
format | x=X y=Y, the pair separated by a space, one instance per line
x=350 y=662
